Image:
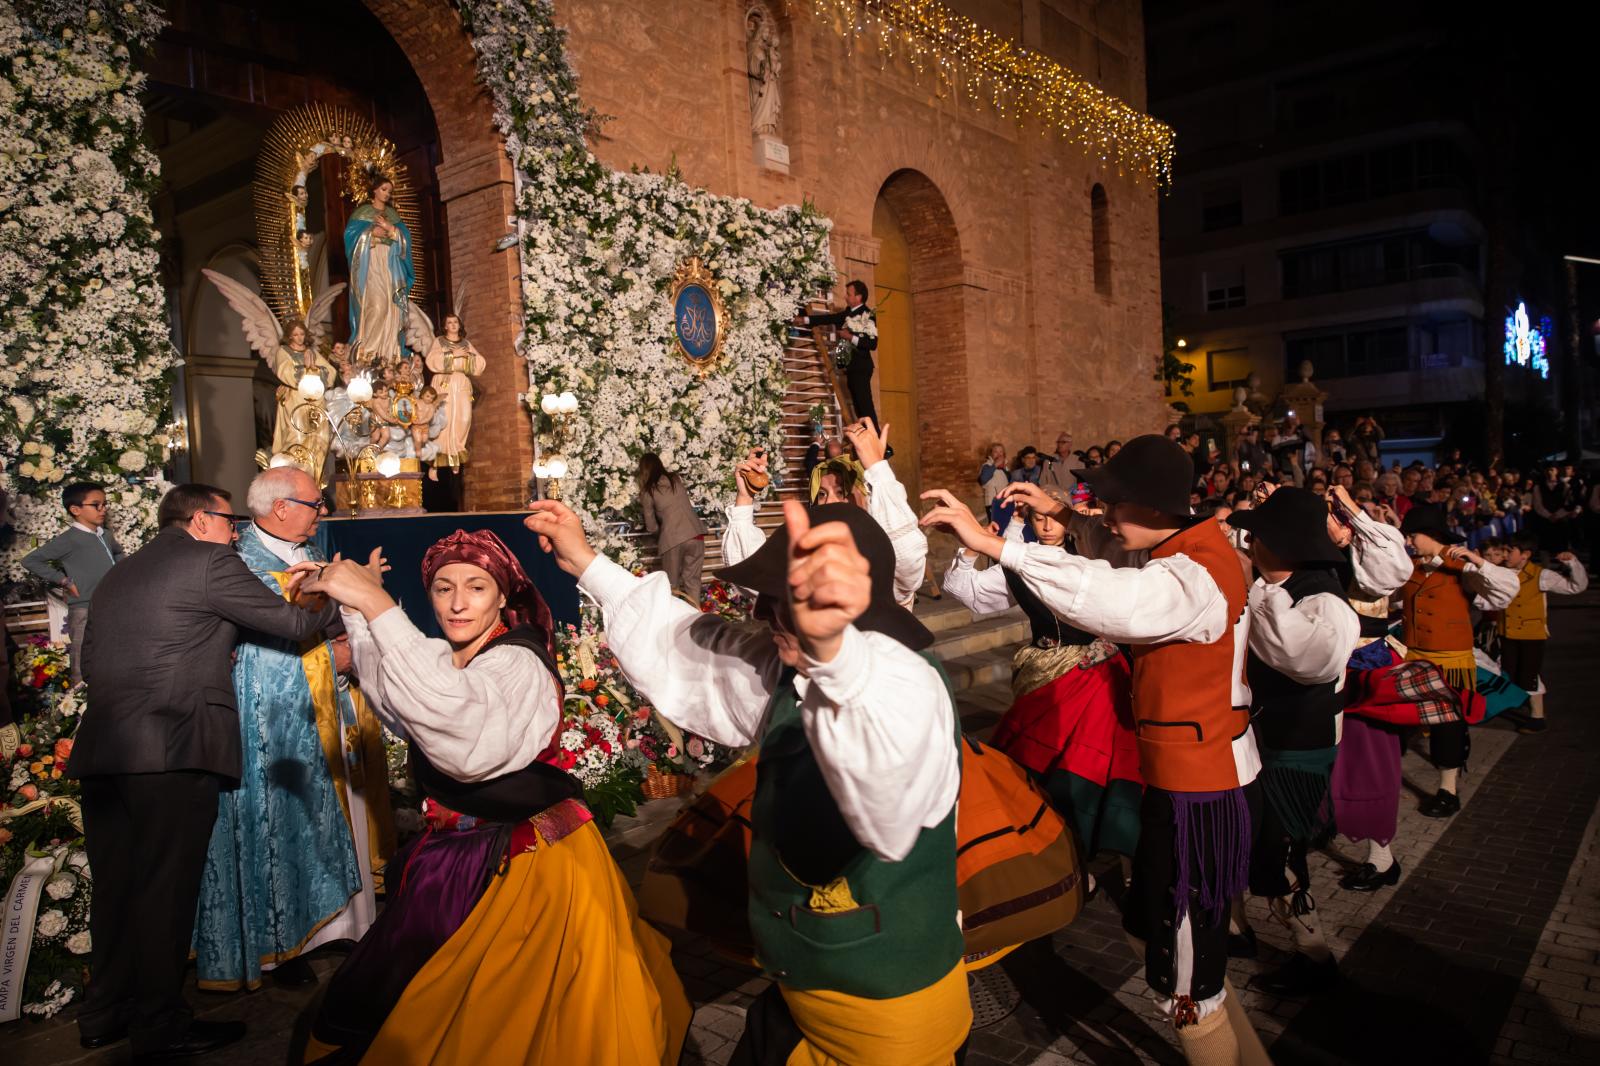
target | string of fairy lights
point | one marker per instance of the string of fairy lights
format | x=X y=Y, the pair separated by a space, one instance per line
x=988 y=68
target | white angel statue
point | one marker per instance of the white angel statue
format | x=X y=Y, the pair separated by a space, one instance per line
x=300 y=430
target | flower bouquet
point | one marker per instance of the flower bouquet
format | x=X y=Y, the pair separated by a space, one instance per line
x=41 y=831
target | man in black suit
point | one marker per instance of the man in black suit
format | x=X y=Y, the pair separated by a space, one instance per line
x=159 y=740
x=862 y=323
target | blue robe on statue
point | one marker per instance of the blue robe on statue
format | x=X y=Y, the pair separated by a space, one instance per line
x=282 y=860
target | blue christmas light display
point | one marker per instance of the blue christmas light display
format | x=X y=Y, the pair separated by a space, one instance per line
x=1525 y=342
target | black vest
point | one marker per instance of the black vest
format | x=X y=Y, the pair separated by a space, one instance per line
x=1046 y=626
x=512 y=797
x=1288 y=715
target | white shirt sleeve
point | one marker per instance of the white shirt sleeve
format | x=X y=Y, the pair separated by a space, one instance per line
x=889 y=507
x=1554 y=581
x=364 y=658
x=1378 y=557
x=489 y=718
x=979 y=591
x=1492 y=587
x=741 y=538
x=1171 y=599
x=702 y=672
x=1310 y=641
x=883 y=728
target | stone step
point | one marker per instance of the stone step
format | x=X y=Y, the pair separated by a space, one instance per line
x=982 y=707
x=988 y=667
x=942 y=614
x=1003 y=631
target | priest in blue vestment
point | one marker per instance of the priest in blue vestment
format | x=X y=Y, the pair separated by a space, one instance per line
x=298 y=843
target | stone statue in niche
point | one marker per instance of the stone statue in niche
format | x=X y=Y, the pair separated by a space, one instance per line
x=764 y=65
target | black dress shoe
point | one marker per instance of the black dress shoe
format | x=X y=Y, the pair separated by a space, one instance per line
x=1243 y=945
x=1532 y=725
x=295 y=973
x=1366 y=878
x=1299 y=977
x=105 y=1039
x=202 y=1038
x=1442 y=805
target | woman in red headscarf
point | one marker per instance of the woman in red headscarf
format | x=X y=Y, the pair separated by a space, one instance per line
x=509 y=934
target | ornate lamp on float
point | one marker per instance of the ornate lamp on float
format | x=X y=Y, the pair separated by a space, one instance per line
x=549 y=466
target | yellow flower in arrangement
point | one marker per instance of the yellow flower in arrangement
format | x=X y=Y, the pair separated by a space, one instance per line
x=36 y=768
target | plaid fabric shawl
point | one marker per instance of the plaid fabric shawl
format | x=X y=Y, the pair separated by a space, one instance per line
x=1410 y=693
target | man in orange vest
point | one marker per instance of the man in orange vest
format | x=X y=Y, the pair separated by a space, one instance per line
x=1184 y=613
x=1436 y=604
x=1525 y=623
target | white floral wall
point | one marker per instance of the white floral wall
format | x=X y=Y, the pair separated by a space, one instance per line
x=84 y=347
x=599 y=252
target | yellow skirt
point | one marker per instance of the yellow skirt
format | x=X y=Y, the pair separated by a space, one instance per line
x=923 y=1028
x=552 y=965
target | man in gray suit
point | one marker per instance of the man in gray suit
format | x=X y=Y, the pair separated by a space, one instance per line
x=160 y=738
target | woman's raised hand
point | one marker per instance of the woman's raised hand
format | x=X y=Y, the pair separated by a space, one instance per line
x=957 y=519
x=560 y=533
x=1037 y=499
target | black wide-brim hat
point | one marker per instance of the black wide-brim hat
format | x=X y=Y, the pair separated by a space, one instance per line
x=1429 y=520
x=767 y=573
x=1294 y=524
x=1150 y=471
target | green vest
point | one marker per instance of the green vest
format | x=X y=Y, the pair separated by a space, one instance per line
x=901 y=935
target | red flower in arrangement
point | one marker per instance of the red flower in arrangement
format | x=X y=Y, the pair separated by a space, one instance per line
x=566 y=760
x=63 y=749
x=29 y=793
x=24 y=750
x=586 y=685
x=641 y=715
x=605 y=746
x=601 y=700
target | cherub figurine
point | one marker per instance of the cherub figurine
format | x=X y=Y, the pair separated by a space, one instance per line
x=302 y=249
x=340 y=358
x=422 y=412
x=379 y=404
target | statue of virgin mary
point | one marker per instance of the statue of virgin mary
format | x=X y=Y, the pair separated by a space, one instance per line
x=378 y=246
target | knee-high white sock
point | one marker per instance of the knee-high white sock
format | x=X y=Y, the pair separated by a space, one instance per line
x=1238 y=923
x=1379 y=856
x=1536 y=704
x=1447 y=779
x=1305 y=928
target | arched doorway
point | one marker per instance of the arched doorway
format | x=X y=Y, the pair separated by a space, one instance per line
x=922 y=345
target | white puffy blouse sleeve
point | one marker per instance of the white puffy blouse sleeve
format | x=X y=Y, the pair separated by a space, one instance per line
x=489 y=718
x=1170 y=599
x=979 y=591
x=1378 y=556
x=1568 y=584
x=741 y=537
x=883 y=728
x=1492 y=587
x=1310 y=641
x=890 y=761
x=702 y=672
x=890 y=508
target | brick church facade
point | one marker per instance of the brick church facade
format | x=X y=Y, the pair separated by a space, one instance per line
x=1017 y=278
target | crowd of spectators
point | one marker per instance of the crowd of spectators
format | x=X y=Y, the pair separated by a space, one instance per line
x=1484 y=502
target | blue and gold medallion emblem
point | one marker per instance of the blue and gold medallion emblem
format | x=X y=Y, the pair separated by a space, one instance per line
x=698 y=315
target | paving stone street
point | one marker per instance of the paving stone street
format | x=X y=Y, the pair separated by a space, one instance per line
x=1488 y=950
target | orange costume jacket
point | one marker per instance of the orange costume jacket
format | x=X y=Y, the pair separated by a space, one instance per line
x=1184 y=702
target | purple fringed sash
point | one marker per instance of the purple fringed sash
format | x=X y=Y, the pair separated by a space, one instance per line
x=1211 y=835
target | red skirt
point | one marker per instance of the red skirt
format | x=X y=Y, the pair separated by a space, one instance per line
x=1076 y=733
